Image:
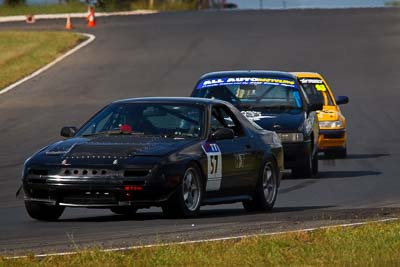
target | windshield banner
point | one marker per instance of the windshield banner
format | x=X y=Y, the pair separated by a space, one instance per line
x=246 y=81
x=312 y=80
x=318 y=83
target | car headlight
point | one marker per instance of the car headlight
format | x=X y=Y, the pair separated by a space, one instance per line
x=291 y=137
x=330 y=124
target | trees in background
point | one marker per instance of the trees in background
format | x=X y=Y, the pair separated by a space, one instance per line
x=127 y=4
x=14 y=2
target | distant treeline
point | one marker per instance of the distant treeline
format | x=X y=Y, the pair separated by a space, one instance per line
x=113 y=5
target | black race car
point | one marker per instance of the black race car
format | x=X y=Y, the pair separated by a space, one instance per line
x=277 y=102
x=177 y=153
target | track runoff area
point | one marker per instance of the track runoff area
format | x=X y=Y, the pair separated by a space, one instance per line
x=343 y=184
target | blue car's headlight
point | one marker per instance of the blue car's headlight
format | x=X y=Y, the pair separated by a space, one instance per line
x=291 y=137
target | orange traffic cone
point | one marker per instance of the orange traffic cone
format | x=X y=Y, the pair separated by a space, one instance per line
x=89 y=12
x=92 y=20
x=68 y=25
x=30 y=19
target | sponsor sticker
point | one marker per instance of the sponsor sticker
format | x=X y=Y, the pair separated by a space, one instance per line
x=245 y=81
x=239 y=160
x=310 y=80
x=319 y=84
x=320 y=87
x=297 y=98
x=255 y=115
x=214 y=166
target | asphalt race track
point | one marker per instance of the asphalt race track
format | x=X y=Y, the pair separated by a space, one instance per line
x=357 y=50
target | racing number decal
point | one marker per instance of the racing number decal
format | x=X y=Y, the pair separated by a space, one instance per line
x=214 y=166
x=320 y=87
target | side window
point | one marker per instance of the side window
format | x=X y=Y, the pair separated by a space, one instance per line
x=314 y=94
x=215 y=122
x=306 y=92
x=223 y=118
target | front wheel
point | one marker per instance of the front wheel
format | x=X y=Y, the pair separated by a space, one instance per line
x=43 y=212
x=266 y=190
x=186 y=201
x=315 y=165
x=305 y=170
x=337 y=153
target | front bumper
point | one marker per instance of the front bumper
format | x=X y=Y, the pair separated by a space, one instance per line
x=295 y=153
x=98 y=192
x=331 y=139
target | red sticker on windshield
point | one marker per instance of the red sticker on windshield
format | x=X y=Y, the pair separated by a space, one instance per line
x=125 y=128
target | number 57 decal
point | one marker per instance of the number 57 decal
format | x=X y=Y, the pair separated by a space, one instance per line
x=214 y=166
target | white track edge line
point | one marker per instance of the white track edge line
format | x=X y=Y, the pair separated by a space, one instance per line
x=90 y=39
x=213 y=239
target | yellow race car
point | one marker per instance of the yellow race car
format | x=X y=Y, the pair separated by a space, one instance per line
x=332 y=124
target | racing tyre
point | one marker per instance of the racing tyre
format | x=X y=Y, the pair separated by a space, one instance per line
x=305 y=170
x=266 y=189
x=337 y=153
x=315 y=165
x=342 y=153
x=186 y=201
x=43 y=212
x=124 y=210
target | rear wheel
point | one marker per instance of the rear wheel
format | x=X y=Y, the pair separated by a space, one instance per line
x=43 y=212
x=266 y=190
x=187 y=199
x=124 y=210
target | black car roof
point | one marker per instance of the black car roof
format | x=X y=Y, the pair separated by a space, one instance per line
x=189 y=100
x=246 y=73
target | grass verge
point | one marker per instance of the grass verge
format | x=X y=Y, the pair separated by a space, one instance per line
x=71 y=7
x=393 y=3
x=165 y=5
x=22 y=53
x=376 y=244
x=108 y=6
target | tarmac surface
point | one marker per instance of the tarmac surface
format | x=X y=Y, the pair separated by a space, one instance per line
x=356 y=50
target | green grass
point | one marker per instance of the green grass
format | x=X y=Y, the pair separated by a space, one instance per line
x=114 y=5
x=72 y=7
x=178 y=5
x=21 y=53
x=393 y=3
x=375 y=244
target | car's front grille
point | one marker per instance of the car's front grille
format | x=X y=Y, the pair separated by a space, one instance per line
x=86 y=172
x=89 y=197
x=136 y=173
x=334 y=135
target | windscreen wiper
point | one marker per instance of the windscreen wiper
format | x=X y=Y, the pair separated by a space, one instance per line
x=179 y=134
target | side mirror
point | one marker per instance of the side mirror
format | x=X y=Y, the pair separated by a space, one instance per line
x=222 y=133
x=340 y=100
x=68 y=131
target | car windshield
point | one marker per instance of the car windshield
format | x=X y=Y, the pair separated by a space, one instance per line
x=316 y=89
x=168 y=120
x=252 y=92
